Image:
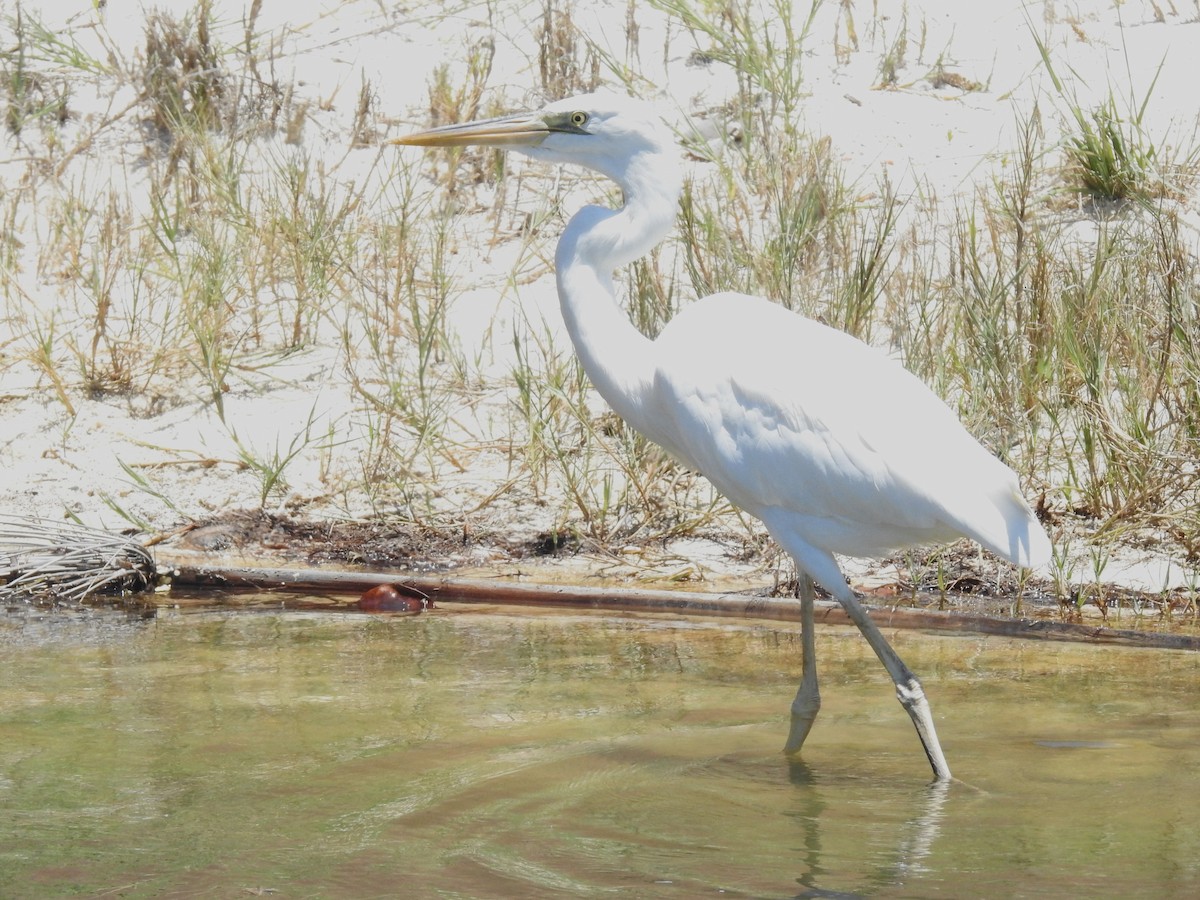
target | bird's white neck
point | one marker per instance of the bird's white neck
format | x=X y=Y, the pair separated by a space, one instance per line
x=618 y=358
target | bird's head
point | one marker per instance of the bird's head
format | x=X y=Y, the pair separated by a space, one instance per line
x=612 y=134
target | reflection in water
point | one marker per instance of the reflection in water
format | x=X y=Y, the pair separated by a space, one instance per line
x=516 y=754
x=914 y=838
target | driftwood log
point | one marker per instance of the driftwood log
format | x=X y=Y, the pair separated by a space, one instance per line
x=450 y=590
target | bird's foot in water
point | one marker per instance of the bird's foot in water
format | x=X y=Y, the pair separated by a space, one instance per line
x=912 y=697
x=804 y=714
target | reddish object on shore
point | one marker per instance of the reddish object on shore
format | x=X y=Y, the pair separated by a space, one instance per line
x=394 y=598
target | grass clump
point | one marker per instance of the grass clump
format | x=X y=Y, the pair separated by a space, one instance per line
x=1110 y=157
x=563 y=66
x=763 y=47
x=185 y=81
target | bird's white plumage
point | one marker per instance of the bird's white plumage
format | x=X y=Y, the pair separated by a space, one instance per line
x=808 y=420
x=837 y=448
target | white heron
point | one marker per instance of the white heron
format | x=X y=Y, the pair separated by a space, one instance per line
x=804 y=426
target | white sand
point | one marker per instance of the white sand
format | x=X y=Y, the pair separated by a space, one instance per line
x=934 y=144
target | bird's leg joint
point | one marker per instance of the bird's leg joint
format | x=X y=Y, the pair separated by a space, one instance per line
x=807 y=703
x=910 y=694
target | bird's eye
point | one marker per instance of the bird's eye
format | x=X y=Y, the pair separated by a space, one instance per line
x=579 y=119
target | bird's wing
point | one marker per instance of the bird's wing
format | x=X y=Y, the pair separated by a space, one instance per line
x=781 y=412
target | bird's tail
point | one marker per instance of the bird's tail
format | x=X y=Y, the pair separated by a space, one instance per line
x=1012 y=530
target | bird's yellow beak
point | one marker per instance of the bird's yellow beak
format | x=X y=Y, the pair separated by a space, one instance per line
x=520 y=130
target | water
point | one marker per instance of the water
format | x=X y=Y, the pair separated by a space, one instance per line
x=464 y=753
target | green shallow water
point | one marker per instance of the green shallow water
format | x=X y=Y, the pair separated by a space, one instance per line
x=481 y=754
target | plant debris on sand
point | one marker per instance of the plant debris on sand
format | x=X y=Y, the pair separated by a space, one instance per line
x=280 y=540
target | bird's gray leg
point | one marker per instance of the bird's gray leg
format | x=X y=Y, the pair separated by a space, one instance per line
x=808 y=697
x=908 y=690
x=822 y=567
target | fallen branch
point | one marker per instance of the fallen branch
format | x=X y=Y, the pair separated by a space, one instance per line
x=444 y=590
